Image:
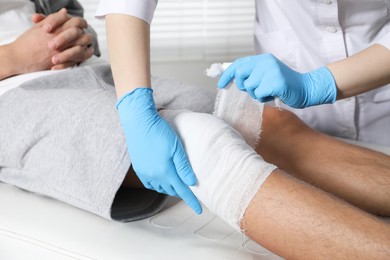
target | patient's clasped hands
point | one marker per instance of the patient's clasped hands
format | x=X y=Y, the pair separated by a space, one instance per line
x=156 y=152
x=264 y=78
x=56 y=41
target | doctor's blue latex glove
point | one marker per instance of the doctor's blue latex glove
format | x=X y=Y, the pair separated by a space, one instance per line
x=156 y=152
x=265 y=77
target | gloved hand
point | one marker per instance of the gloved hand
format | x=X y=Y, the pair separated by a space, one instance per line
x=156 y=152
x=265 y=77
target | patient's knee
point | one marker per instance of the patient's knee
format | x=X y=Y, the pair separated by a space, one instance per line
x=228 y=170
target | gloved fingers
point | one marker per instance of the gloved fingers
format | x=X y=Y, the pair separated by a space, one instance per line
x=187 y=195
x=226 y=76
x=241 y=74
x=183 y=166
x=251 y=91
x=278 y=89
x=254 y=81
x=146 y=184
x=159 y=189
x=170 y=190
x=229 y=74
x=182 y=190
x=162 y=191
x=265 y=93
x=265 y=99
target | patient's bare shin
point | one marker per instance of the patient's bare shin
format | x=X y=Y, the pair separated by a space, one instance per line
x=298 y=221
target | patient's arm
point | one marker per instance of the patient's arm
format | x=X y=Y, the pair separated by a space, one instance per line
x=28 y=53
x=358 y=175
x=31 y=51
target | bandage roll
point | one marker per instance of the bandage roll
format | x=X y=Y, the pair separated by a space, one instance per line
x=237 y=108
x=240 y=111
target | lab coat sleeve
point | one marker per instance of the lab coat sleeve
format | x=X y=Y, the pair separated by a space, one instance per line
x=385 y=41
x=143 y=9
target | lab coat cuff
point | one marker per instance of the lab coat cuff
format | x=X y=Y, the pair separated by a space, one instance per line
x=142 y=9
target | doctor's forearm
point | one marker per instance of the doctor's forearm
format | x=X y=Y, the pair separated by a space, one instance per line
x=129 y=48
x=364 y=71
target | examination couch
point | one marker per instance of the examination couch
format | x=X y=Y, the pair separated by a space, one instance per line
x=37 y=227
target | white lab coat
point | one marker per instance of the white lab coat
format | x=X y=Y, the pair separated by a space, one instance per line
x=309 y=34
x=306 y=35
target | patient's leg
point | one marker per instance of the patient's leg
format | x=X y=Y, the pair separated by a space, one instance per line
x=228 y=171
x=131 y=180
x=358 y=175
x=298 y=221
x=291 y=218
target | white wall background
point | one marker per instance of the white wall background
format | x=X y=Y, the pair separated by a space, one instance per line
x=189 y=35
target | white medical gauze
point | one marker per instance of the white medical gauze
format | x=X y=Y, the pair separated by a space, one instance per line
x=237 y=108
x=229 y=171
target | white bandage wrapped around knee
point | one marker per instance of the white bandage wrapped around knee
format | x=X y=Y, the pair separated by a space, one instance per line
x=237 y=108
x=228 y=170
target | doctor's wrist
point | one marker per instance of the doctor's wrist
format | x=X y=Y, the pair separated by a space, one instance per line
x=322 y=87
x=137 y=96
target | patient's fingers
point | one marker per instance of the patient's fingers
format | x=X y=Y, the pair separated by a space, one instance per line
x=63 y=40
x=70 y=39
x=59 y=21
x=64 y=65
x=86 y=39
x=76 y=54
x=36 y=18
x=55 y=20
